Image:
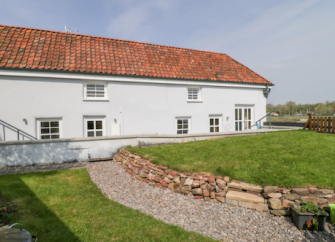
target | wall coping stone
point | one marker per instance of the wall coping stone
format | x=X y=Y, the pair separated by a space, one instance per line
x=176 y=136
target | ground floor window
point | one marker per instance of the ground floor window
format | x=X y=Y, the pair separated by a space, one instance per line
x=94 y=126
x=49 y=128
x=183 y=125
x=215 y=124
x=243 y=118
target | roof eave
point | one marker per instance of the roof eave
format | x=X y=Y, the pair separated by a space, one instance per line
x=125 y=75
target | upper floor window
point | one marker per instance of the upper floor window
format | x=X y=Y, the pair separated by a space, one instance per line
x=193 y=94
x=95 y=91
x=49 y=128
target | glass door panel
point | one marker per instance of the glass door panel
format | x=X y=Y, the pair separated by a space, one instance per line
x=243 y=119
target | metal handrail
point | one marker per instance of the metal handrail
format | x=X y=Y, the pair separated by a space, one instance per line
x=265 y=117
x=19 y=131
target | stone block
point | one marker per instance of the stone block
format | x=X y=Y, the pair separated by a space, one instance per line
x=210 y=187
x=245 y=197
x=291 y=196
x=196 y=183
x=197 y=191
x=220 y=199
x=275 y=203
x=164 y=183
x=177 y=180
x=232 y=202
x=245 y=186
x=312 y=189
x=284 y=190
x=170 y=177
x=220 y=194
x=226 y=179
x=167 y=180
x=270 y=189
x=173 y=173
x=275 y=195
x=281 y=212
x=286 y=203
x=188 y=182
x=325 y=191
x=204 y=186
x=171 y=186
x=256 y=206
x=314 y=200
x=211 y=179
x=186 y=190
x=182 y=180
x=218 y=189
x=300 y=191
x=221 y=184
x=198 y=197
x=212 y=195
x=205 y=193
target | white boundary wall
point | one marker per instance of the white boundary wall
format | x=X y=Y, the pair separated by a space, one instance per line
x=23 y=153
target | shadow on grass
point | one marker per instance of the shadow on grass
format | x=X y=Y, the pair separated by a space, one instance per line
x=65 y=205
x=33 y=214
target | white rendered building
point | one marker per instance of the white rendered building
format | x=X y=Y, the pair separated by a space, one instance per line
x=61 y=85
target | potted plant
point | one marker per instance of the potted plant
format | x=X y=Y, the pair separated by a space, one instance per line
x=309 y=216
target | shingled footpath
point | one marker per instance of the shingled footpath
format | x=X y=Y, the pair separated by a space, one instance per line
x=214 y=219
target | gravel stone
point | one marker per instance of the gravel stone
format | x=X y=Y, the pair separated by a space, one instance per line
x=217 y=220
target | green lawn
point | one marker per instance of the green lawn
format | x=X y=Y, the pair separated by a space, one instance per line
x=285 y=158
x=67 y=206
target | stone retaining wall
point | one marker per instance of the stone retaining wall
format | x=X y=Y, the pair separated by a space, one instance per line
x=271 y=199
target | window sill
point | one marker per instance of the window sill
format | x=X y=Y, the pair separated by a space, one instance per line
x=96 y=100
x=194 y=101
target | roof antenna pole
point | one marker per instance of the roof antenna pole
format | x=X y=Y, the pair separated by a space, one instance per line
x=68 y=30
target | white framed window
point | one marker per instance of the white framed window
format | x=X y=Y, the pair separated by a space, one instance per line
x=49 y=128
x=94 y=126
x=194 y=94
x=243 y=118
x=183 y=125
x=215 y=123
x=95 y=91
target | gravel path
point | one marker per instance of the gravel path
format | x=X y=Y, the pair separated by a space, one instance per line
x=216 y=220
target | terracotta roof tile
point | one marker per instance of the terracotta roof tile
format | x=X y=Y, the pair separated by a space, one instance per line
x=28 y=48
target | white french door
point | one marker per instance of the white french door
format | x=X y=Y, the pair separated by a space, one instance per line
x=243 y=118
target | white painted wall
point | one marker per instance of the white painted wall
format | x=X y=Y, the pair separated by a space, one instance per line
x=140 y=105
x=23 y=153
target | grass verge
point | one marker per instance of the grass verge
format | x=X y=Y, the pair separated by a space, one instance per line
x=286 y=158
x=67 y=206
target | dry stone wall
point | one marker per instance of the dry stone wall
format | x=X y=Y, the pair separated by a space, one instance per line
x=271 y=199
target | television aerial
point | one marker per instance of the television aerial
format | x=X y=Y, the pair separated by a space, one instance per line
x=68 y=30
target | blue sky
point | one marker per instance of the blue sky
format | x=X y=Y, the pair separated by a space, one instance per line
x=291 y=43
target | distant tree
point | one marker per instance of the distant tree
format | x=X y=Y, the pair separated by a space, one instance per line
x=290 y=106
x=321 y=108
x=270 y=107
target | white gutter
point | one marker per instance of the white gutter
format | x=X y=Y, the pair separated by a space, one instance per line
x=92 y=77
